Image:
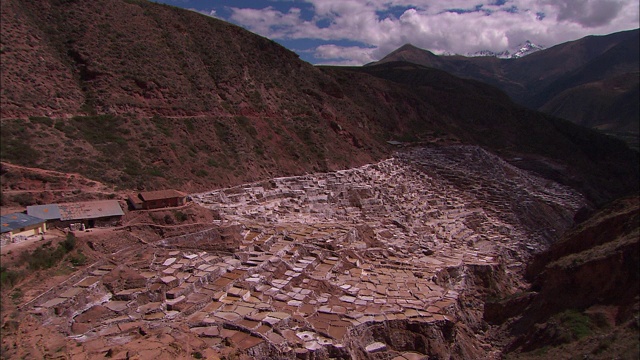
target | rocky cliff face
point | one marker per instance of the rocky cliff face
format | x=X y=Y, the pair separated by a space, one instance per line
x=584 y=289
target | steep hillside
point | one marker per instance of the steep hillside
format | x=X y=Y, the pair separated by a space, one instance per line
x=146 y=95
x=136 y=57
x=425 y=102
x=567 y=65
x=612 y=105
x=584 y=297
x=580 y=81
x=141 y=96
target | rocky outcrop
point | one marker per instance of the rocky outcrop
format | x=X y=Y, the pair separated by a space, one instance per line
x=213 y=239
x=594 y=266
x=596 y=263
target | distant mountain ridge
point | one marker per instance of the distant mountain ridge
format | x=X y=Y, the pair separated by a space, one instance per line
x=592 y=81
x=524 y=49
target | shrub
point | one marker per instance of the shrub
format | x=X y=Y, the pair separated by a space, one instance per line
x=132 y=166
x=59 y=125
x=190 y=126
x=70 y=242
x=24 y=199
x=223 y=132
x=46 y=121
x=18 y=151
x=162 y=124
x=212 y=162
x=17 y=294
x=154 y=171
x=259 y=150
x=245 y=123
x=202 y=173
x=180 y=216
x=79 y=259
x=100 y=129
x=9 y=278
x=46 y=256
x=577 y=323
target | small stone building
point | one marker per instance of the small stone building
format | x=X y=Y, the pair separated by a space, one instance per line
x=18 y=226
x=158 y=199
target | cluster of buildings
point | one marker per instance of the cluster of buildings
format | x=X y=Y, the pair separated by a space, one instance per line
x=34 y=221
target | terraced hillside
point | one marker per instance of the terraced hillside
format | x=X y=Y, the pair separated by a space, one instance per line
x=391 y=259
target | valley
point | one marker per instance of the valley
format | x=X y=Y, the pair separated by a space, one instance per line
x=418 y=207
x=316 y=266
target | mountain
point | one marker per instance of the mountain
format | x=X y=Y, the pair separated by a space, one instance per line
x=525 y=49
x=592 y=81
x=104 y=98
x=146 y=95
x=521 y=50
x=139 y=95
x=430 y=100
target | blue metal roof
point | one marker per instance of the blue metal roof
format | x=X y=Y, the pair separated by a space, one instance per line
x=17 y=221
x=47 y=212
x=77 y=210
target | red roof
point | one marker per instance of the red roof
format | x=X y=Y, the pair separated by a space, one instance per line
x=161 y=194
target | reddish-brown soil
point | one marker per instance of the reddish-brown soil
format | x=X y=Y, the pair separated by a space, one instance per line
x=22 y=186
x=23 y=335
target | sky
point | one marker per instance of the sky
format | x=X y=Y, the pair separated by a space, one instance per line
x=356 y=32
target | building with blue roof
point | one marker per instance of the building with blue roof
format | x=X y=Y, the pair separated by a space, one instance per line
x=90 y=213
x=47 y=212
x=18 y=226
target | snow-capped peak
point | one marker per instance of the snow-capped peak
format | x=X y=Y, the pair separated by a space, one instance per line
x=525 y=49
x=521 y=50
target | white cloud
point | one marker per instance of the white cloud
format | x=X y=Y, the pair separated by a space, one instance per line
x=589 y=13
x=458 y=26
x=267 y=21
x=343 y=55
